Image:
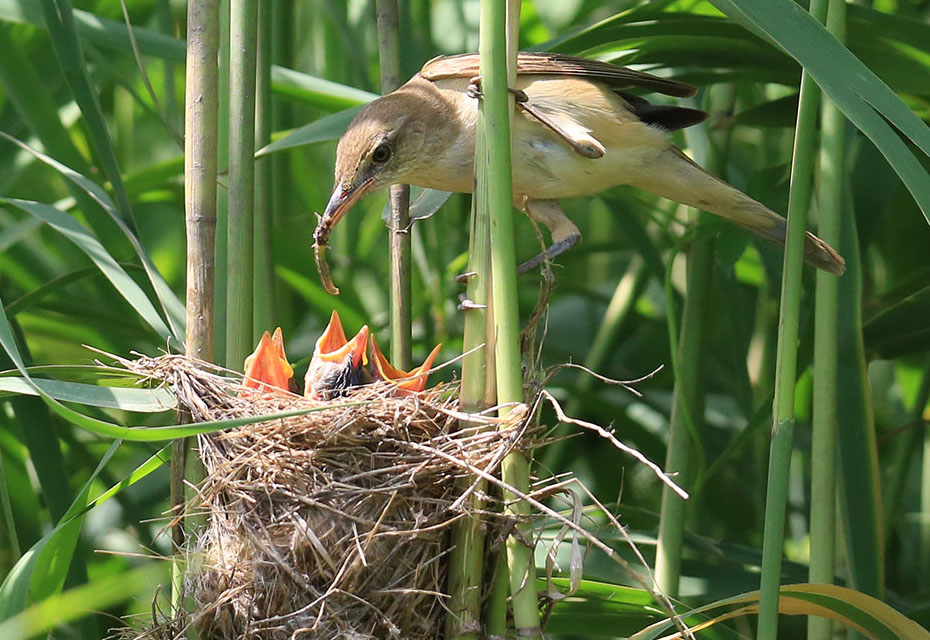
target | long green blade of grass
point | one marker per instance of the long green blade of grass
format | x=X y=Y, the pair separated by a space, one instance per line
x=59 y=19
x=466 y=567
x=114 y=35
x=125 y=399
x=171 y=306
x=41 y=572
x=126 y=286
x=868 y=103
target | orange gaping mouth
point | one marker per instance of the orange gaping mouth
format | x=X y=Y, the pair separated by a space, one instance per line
x=337 y=364
x=405 y=382
x=332 y=346
x=267 y=368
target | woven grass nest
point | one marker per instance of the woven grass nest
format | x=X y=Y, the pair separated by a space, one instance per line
x=331 y=524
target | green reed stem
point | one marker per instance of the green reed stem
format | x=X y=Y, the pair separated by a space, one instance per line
x=823 y=447
x=263 y=316
x=466 y=561
x=222 y=194
x=802 y=167
x=399 y=227
x=243 y=35
x=495 y=178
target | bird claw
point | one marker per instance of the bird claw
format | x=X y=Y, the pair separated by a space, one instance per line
x=474 y=91
x=550 y=253
x=463 y=278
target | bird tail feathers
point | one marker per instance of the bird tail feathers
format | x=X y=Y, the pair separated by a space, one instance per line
x=677 y=177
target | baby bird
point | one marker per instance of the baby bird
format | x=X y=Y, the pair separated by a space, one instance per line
x=337 y=363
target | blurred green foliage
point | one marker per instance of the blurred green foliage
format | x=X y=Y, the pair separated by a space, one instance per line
x=57 y=301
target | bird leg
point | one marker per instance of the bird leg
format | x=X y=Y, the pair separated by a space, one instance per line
x=565 y=234
x=575 y=136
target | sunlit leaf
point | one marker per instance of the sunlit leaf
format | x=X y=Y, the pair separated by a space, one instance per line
x=138 y=400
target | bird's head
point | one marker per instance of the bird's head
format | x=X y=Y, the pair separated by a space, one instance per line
x=267 y=368
x=404 y=382
x=391 y=141
x=337 y=363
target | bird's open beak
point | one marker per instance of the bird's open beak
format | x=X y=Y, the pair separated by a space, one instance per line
x=337 y=364
x=406 y=382
x=267 y=368
x=332 y=346
x=342 y=200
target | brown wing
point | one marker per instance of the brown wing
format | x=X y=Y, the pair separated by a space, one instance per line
x=556 y=64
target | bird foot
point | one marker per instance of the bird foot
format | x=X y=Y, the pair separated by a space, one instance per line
x=474 y=91
x=550 y=253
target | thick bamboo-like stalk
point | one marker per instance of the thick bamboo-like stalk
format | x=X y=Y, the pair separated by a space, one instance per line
x=823 y=448
x=399 y=228
x=479 y=391
x=200 y=215
x=263 y=282
x=243 y=35
x=495 y=179
x=466 y=568
x=222 y=194
x=787 y=356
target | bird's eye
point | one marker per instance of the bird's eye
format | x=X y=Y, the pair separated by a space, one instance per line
x=382 y=153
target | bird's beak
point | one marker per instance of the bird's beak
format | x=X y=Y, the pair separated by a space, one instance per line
x=342 y=200
x=332 y=346
x=406 y=382
x=267 y=368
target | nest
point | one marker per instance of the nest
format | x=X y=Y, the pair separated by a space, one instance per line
x=331 y=524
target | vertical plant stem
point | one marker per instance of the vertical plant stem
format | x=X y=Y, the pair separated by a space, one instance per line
x=786 y=359
x=860 y=501
x=263 y=315
x=687 y=409
x=924 y=540
x=243 y=32
x=823 y=447
x=222 y=193
x=200 y=218
x=399 y=229
x=282 y=30
x=495 y=180
x=479 y=391
x=495 y=619
x=686 y=419
x=908 y=450
x=166 y=26
x=8 y=515
x=463 y=620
